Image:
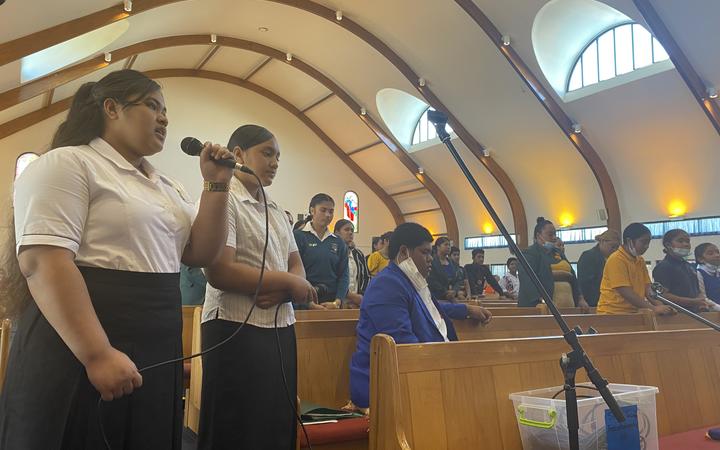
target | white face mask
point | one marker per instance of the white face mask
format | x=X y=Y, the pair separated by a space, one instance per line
x=711 y=268
x=409 y=268
x=680 y=252
x=631 y=249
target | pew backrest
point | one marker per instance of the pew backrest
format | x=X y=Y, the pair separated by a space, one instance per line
x=5 y=331
x=530 y=326
x=188 y=313
x=455 y=395
x=330 y=314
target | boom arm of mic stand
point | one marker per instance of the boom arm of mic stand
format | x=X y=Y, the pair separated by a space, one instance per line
x=569 y=335
x=686 y=311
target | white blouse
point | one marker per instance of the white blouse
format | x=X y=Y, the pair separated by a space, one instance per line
x=92 y=201
x=246 y=235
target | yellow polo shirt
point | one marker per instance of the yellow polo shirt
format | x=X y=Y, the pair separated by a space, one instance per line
x=621 y=269
x=376 y=262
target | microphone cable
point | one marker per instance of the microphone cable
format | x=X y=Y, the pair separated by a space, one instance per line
x=226 y=340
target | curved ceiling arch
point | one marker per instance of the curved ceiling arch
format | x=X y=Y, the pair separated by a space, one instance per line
x=50 y=82
x=32 y=118
x=516 y=205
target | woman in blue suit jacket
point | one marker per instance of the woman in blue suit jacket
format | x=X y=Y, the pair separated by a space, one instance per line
x=398 y=303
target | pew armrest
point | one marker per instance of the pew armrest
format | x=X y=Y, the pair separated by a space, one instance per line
x=387 y=430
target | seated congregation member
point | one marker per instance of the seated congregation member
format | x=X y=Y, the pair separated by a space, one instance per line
x=540 y=258
x=707 y=257
x=358 y=273
x=244 y=403
x=100 y=238
x=324 y=255
x=510 y=283
x=378 y=260
x=567 y=290
x=444 y=273
x=592 y=262
x=625 y=285
x=460 y=284
x=678 y=276
x=398 y=302
x=478 y=274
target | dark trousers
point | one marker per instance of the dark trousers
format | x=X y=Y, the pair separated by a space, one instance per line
x=244 y=402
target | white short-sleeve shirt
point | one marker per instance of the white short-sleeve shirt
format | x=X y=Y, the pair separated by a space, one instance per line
x=246 y=234
x=92 y=201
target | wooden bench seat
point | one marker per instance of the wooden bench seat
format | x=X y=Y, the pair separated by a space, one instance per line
x=455 y=395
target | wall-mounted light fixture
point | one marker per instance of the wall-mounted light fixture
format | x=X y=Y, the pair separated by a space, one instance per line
x=576 y=128
x=677 y=208
x=506 y=40
x=108 y=57
x=338 y=15
x=213 y=38
x=127 y=5
x=712 y=92
x=421 y=170
x=288 y=57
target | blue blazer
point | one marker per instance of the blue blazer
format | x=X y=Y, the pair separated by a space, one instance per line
x=392 y=306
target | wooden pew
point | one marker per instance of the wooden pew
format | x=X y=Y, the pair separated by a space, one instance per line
x=531 y=326
x=683 y=322
x=192 y=399
x=5 y=330
x=330 y=314
x=187 y=330
x=324 y=349
x=455 y=395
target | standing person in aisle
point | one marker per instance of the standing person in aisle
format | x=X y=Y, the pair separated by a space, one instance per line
x=232 y=416
x=100 y=237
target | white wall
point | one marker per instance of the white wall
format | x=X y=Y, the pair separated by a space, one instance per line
x=212 y=110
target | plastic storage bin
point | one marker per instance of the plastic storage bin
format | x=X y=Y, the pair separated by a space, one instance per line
x=542 y=420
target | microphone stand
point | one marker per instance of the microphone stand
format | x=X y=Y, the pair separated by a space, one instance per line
x=569 y=362
x=658 y=289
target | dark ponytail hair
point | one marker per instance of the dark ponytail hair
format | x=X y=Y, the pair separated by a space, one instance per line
x=249 y=136
x=541 y=222
x=86 y=120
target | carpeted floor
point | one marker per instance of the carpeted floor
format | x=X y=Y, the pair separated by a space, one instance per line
x=690 y=440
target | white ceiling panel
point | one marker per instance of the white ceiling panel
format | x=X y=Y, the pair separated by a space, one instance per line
x=417 y=201
x=22 y=109
x=183 y=57
x=234 y=62
x=343 y=125
x=289 y=83
x=383 y=166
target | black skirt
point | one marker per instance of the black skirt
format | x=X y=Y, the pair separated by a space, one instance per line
x=47 y=402
x=244 y=404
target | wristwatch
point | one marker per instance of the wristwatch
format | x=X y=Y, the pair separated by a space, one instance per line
x=214 y=186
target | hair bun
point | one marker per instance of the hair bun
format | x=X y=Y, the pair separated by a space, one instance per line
x=540 y=219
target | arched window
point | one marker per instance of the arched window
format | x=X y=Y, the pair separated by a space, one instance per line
x=424 y=130
x=351 y=209
x=614 y=52
x=23 y=160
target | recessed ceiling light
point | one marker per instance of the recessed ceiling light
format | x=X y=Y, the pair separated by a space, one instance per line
x=263 y=29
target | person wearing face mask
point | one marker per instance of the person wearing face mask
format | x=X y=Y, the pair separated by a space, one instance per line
x=707 y=256
x=625 y=285
x=358 y=272
x=592 y=262
x=444 y=273
x=324 y=255
x=244 y=402
x=540 y=258
x=678 y=276
x=398 y=302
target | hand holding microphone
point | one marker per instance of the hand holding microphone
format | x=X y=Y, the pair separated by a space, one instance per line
x=214 y=159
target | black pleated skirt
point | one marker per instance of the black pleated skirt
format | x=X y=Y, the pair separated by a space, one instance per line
x=47 y=402
x=244 y=404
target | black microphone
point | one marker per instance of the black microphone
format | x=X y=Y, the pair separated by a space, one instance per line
x=193 y=147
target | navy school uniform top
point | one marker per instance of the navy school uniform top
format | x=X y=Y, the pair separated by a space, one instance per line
x=325 y=262
x=678 y=276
